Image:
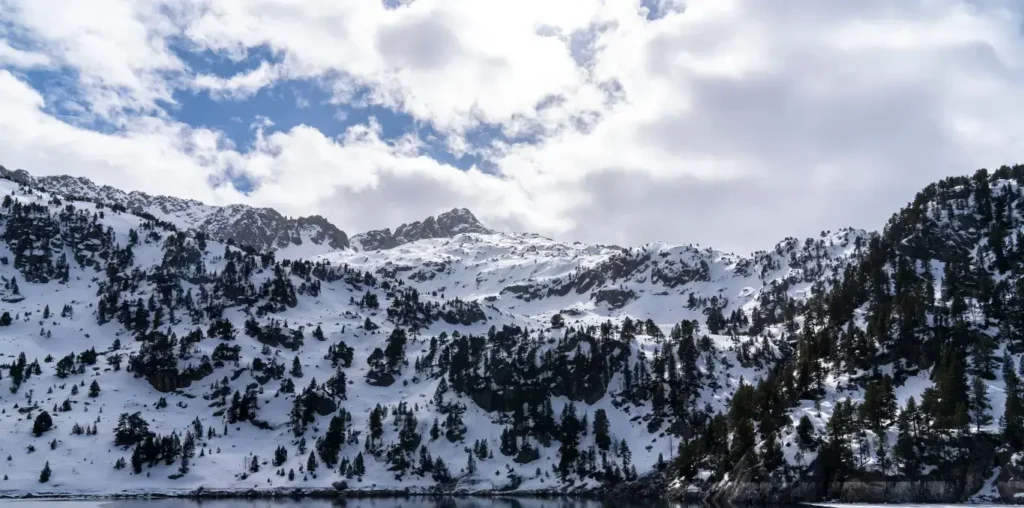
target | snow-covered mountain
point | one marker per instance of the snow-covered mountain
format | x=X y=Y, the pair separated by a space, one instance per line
x=148 y=347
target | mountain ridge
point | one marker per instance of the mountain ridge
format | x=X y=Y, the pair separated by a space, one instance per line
x=260 y=228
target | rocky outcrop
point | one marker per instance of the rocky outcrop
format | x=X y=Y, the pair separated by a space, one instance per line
x=614 y=298
x=18 y=175
x=453 y=222
x=266 y=229
x=167 y=381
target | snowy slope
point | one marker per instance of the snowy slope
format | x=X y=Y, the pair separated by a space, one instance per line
x=601 y=329
x=471 y=267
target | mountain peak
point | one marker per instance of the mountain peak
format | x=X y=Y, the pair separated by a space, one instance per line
x=445 y=225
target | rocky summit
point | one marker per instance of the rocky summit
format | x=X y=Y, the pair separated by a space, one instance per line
x=445 y=225
x=157 y=345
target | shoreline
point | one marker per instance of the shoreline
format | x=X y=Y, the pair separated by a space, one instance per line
x=316 y=493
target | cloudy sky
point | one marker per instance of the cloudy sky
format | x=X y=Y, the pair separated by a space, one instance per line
x=732 y=123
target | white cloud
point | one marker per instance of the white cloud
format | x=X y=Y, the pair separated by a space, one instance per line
x=454 y=63
x=119 y=48
x=21 y=59
x=153 y=155
x=239 y=86
x=729 y=122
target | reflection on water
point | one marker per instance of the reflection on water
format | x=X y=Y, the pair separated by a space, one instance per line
x=410 y=502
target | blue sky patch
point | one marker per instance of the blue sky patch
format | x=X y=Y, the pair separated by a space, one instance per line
x=291 y=103
x=225 y=64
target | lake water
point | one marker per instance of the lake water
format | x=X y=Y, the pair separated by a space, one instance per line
x=346 y=503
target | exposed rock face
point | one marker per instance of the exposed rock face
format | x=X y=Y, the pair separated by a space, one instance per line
x=374 y=378
x=745 y=486
x=265 y=228
x=262 y=228
x=18 y=175
x=378 y=239
x=453 y=222
x=614 y=298
x=165 y=381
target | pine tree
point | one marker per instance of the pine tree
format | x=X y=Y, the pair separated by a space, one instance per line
x=369 y=325
x=376 y=424
x=440 y=471
x=94 y=389
x=183 y=468
x=980 y=404
x=280 y=456
x=962 y=418
x=359 y=466
x=805 y=433
x=569 y=431
x=771 y=454
x=330 y=444
x=311 y=464
x=442 y=387
x=837 y=453
x=601 y=430
x=951 y=388
x=509 y=446
x=137 y=460
x=44 y=475
x=743 y=439
x=882 y=452
x=983 y=362
x=42 y=424
x=1011 y=422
